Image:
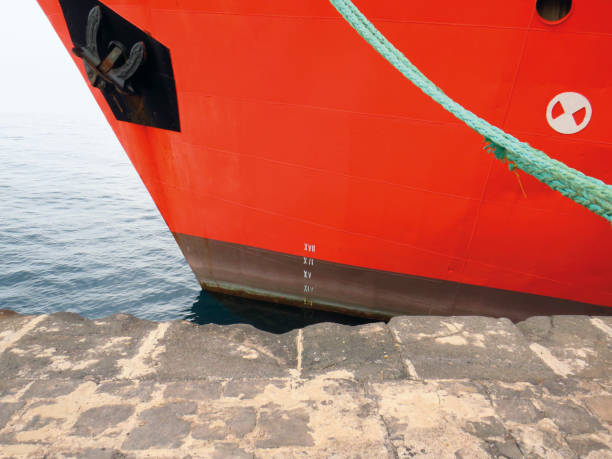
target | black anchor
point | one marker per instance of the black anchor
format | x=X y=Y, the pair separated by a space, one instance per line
x=102 y=72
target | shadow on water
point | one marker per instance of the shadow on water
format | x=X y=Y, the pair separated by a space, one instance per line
x=217 y=308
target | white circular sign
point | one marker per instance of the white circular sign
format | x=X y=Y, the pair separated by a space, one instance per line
x=568 y=112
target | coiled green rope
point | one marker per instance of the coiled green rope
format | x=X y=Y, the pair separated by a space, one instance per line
x=590 y=192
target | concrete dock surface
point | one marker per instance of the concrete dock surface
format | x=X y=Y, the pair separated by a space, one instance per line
x=436 y=387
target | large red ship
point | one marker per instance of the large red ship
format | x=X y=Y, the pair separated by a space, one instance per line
x=292 y=163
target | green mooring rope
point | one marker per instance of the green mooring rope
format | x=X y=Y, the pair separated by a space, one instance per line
x=590 y=192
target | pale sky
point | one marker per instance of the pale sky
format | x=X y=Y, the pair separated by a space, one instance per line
x=36 y=72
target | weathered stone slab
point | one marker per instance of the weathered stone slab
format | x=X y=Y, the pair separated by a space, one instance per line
x=38 y=422
x=7 y=410
x=280 y=427
x=601 y=406
x=161 y=427
x=569 y=417
x=436 y=387
x=193 y=352
x=96 y=420
x=561 y=386
x=194 y=390
x=583 y=446
x=97 y=453
x=368 y=351
x=516 y=403
x=11 y=387
x=12 y=323
x=521 y=411
x=246 y=389
x=50 y=388
x=219 y=424
x=467 y=347
x=136 y=390
x=541 y=440
x=13 y=328
x=418 y=415
x=65 y=345
x=506 y=448
x=230 y=450
x=542 y=423
x=572 y=345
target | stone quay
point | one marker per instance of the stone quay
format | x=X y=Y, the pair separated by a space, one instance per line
x=436 y=387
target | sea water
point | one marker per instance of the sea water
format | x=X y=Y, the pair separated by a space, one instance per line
x=80 y=233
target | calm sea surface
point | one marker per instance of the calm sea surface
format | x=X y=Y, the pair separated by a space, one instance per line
x=79 y=233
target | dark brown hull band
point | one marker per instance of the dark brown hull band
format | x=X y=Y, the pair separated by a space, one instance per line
x=303 y=281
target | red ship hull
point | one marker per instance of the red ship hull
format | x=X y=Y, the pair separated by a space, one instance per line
x=307 y=170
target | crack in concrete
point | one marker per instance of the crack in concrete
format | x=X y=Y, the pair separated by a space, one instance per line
x=387 y=441
x=300 y=351
x=508 y=431
x=398 y=347
x=327 y=367
x=255 y=434
x=552 y=326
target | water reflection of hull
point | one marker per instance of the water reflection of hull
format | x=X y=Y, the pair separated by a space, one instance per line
x=304 y=169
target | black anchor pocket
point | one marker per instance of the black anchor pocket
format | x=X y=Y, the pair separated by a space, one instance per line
x=131 y=69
